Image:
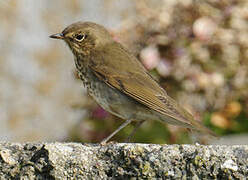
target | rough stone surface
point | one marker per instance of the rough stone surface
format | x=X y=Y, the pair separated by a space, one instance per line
x=122 y=161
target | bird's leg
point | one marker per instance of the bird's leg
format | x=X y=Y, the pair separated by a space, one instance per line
x=105 y=140
x=137 y=125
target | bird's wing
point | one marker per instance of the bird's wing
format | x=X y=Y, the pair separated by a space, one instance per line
x=122 y=71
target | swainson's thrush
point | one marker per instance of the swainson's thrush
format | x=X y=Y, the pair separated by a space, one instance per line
x=118 y=81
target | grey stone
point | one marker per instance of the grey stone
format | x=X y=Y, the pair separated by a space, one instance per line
x=122 y=161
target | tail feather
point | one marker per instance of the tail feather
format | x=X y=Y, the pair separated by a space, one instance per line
x=201 y=128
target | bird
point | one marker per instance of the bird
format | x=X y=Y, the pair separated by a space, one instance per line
x=119 y=82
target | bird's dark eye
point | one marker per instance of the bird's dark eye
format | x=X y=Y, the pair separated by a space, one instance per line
x=79 y=37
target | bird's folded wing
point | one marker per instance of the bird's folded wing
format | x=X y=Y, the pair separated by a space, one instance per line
x=124 y=72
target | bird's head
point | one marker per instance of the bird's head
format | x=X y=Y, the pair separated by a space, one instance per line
x=83 y=37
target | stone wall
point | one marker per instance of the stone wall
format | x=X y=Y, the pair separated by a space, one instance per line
x=93 y=161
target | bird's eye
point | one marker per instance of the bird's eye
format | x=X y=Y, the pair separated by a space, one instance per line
x=79 y=37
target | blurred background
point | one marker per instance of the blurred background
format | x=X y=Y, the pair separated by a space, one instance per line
x=197 y=51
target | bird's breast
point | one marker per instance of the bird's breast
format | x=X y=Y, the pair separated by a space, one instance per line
x=98 y=90
x=111 y=99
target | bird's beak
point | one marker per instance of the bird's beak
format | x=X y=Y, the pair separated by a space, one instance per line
x=57 y=36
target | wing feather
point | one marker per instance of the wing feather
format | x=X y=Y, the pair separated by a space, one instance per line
x=135 y=82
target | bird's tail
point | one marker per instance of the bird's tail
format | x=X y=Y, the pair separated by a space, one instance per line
x=198 y=126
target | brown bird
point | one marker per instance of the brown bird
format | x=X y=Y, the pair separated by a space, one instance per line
x=119 y=82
